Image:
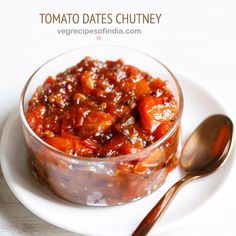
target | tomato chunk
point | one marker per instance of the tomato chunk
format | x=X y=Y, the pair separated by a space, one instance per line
x=63 y=144
x=154 y=111
x=142 y=88
x=95 y=123
x=49 y=81
x=35 y=118
x=150 y=113
x=162 y=129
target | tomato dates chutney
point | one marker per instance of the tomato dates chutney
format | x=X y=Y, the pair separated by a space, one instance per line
x=103 y=110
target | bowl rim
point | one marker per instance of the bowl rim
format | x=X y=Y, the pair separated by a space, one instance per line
x=127 y=157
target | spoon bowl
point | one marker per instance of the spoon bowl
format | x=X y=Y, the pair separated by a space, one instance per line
x=204 y=152
x=208 y=146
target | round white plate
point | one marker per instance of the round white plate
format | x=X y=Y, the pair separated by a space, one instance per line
x=117 y=220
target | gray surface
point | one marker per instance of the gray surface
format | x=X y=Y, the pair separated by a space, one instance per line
x=15 y=219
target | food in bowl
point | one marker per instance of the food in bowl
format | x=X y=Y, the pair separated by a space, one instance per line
x=101 y=109
x=92 y=132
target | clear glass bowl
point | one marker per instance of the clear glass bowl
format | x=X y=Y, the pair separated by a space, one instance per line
x=106 y=181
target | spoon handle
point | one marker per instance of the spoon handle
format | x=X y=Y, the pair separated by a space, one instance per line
x=159 y=209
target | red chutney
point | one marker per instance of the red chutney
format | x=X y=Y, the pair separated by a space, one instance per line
x=101 y=109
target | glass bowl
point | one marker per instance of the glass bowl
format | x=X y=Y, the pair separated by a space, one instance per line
x=103 y=181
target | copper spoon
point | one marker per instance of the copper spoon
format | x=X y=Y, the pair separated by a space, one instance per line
x=204 y=152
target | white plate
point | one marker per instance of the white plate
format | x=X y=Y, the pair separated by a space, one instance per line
x=117 y=220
